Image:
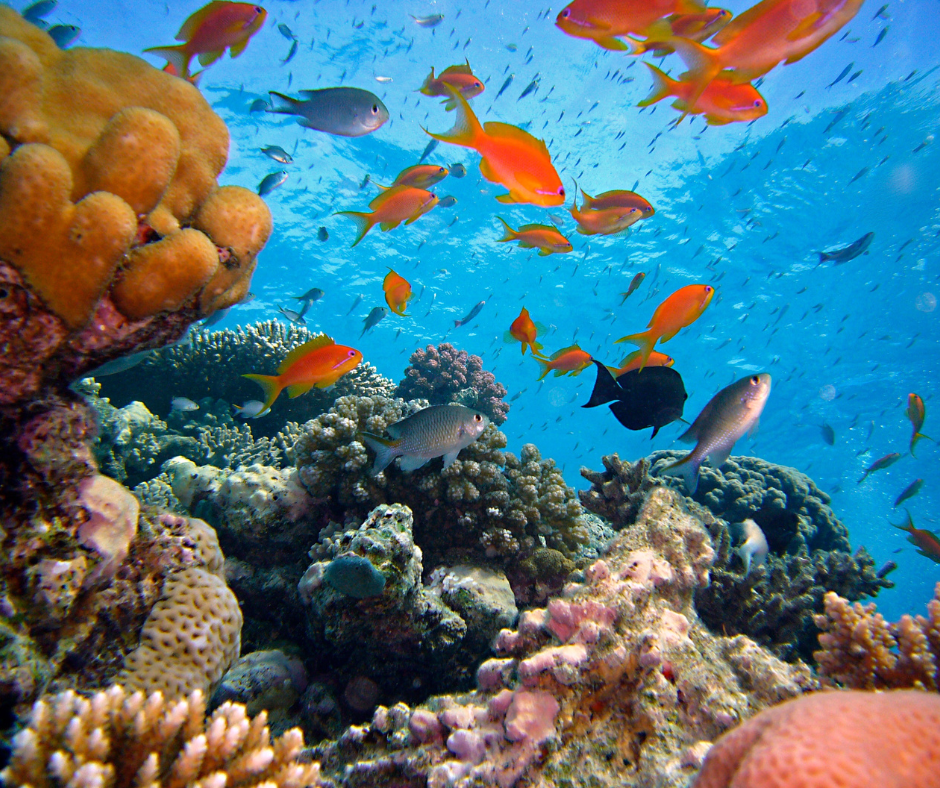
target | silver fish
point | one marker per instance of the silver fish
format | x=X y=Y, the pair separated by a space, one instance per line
x=35 y=12
x=458 y=170
x=447 y=202
x=183 y=404
x=313 y=294
x=849 y=252
x=373 y=318
x=271 y=181
x=277 y=153
x=118 y=365
x=297 y=318
x=290 y=53
x=216 y=317
x=753 y=547
x=438 y=431
x=473 y=313
x=64 y=35
x=249 y=409
x=345 y=112
x=734 y=410
x=285 y=31
x=258 y=105
x=432 y=20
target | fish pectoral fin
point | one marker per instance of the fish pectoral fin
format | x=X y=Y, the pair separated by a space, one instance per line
x=487 y=171
x=450 y=457
x=507 y=199
x=208 y=58
x=611 y=44
x=753 y=430
x=298 y=388
x=408 y=463
x=386 y=226
x=687 y=468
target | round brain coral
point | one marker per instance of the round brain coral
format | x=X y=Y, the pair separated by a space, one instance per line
x=112 y=224
x=836 y=739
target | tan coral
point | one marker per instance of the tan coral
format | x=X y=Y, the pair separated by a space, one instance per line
x=122 y=740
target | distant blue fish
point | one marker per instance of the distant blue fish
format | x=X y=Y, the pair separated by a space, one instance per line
x=35 y=12
x=849 y=252
x=881 y=36
x=531 y=88
x=285 y=31
x=432 y=20
x=258 y=105
x=843 y=75
x=355 y=304
x=270 y=182
x=64 y=35
x=290 y=53
x=506 y=84
x=473 y=313
x=373 y=319
x=428 y=150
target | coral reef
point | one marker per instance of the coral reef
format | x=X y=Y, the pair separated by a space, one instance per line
x=809 y=547
x=211 y=364
x=829 y=740
x=121 y=740
x=616 y=679
x=860 y=650
x=444 y=374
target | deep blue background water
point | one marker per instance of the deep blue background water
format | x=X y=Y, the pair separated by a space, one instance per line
x=746 y=207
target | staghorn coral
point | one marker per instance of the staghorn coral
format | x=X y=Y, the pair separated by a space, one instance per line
x=118 y=739
x=212 y=364
x=830 y=740
x=809 y=545
x=860 y=650
x=444 y=374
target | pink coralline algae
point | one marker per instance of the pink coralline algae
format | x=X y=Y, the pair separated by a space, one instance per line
x=444 y=374
x=111 y=525
x=832 y=740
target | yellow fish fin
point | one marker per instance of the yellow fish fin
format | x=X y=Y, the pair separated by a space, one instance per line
x=507 y=199
x=559 y=353
x=662 y=86
x=386 y=226
x=458 y=69
x=467 y=130
x=302 y=350
x=544 y=365
x=426 y=87
x=364 y=223
x=208 y=58
x=510 y=233
x=272 y=387
x=177 y=56
x=806 y=27
x=298 y=388
x=236 y=49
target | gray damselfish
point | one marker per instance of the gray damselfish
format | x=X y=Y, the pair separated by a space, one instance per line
x=346 y=112
x=354 y=576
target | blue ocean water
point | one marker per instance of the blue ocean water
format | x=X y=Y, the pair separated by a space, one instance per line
x=746 y=207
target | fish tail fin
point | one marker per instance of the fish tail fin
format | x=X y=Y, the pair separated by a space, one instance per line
x=272 y=387
x=703 y=64
x=916 y=437
x=536 y=348
x=510 y=233
x=467 y=130
x=176 y=56
x=605 y=388
x=687 y=468
x=282 y=104
x=364 y=223
x=662 y=86
x=824 y=258
x=384 y=451
x=644 y=341
x=543 y=365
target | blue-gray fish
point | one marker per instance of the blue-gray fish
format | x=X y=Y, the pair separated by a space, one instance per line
x=432 y=20
x=313 y=294
x=183 y=404
x=734 y=410
x=277 y=153
x=290 y=53
x=428 y=150
x=438 y=431
x=297 y=318
x=285 y=31
x=473 y=313
x=909 y=492
x=373 y=318
x=354 y=575
x=849 y=252
x=345 y=112
x=457 y=171
x=249 y=409
x=35 y=12
x=118 y=364
x=447 y=202
x=64 y=35
x=271 y=181
x=258 y=105
x=323 y=234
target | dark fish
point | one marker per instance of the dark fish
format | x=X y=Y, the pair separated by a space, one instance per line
x=322 y=234
x=849 y=252
x=215 y=317
x=428 y=150
x=345 y=112
x=313 y=294
x=530 y=88
x=290 y=53
x=457 y=170
x=828 y=434
x=277 y=153
x=839 y=115
x=365 y=182
x=447 y=202
x=432 y=20
x=64 y=35
x=35 y=12
x=355 y=304
x=878 y=40
x=854 y=76
x=473 y=313
x=909 y=492
x=297 y=318
x=373 y=318
x=880 y=464
x=859 y=174
x=258 y=105
x=634 y=284
x=271 y=181
x=285 y=31
x=506 y=84
x=880 y=13
x=118 y=364
x=653 y=398
x=843 y=75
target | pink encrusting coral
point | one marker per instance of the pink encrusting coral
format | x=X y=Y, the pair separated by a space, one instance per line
x=833 y=740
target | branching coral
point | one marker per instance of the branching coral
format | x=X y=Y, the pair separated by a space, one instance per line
x=860 y=650
x=121 y=740
x=444 y=374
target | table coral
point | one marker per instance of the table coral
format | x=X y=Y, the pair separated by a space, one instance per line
x=443 y=374
x=832 y=739
x=121 y=740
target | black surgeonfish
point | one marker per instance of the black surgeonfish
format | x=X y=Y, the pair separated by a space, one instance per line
x=653 y=397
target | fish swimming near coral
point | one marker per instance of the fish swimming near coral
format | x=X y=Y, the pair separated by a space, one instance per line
x=297 y=318
x=277 y=153
x=927 y=542
x=880 y=464
x=271 y=181
x=312 y=295
x=524 y=331
x=471 y=314
x=397 y=292
x=753 y=549
x=375 y=316
x=319 y=362
x=437 y=431
x=654 y=398
x=733 y=411
x=183 y=404
x=249 y=409
x=916 y=412
x=343 y=112
x=850 y=252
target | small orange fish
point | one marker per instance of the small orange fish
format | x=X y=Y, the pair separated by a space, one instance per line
x=459 y=77
x=634 y=360
x=679 y=310
x=610 y=213
x=319 y=362
x=916 y=413
x=210 y=31
x=397 y=292
x=723 y=101
x=547 y=239
x=392 y=207
x=927 y=542
x=421 y=176
x=603 y=20
x=567 y=360
x=525 y=331
x=511 y=157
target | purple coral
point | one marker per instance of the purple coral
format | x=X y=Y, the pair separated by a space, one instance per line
x=444 y=374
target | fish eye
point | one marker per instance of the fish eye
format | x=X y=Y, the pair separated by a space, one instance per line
x=565 y=14
x=259 y=9
x=477 y=417
x=375 y=109
x=561 y=191
x=708 y=288
x=755 y=380
x=758 y=103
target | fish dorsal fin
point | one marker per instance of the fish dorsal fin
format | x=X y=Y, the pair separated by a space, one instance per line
x=196 y=19
x=739 y=23
x=458 y=69
x=395 y=430
x=559 y=353
x=302 y=350
x=586 y=200
x=507 y=131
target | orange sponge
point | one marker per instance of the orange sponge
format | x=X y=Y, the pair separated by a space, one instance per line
x=838 y=739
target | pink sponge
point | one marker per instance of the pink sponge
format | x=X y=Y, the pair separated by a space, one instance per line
x=833 y=740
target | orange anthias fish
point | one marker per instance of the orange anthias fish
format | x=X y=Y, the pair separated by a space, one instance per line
x=634 y=360
x=319 y=362
x=679 y=310
x=547 y=239
x=421 y=176
x=511 y=157
x=927 y=542
x=609 y=213
x=525 y=331
x=459 y=77
x=916 y=413
x=723 y=101
x=603 y=20
x=569 y=359
x=771 y=32
x=397 y=292
x=210 y=31
x=392 y=207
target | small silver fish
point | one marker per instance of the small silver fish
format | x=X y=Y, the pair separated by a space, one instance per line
x=297 y=318
x=277 y=153
x=216 y=317
x=447 y=202
x=249 y=409
x=118 y=365
x=437 y=431
x=373 y=318
x=271 y=181
x=64 y=35
x=258 y=105
x=383 y=80
x=473 y=313
x=734 y=410
x=355 y=304
x=183 y=404
x=345 y=112
x=290 y=53
x=285 y=31
x=313 y=294
x=506 y=84
x=909 y=492
x=432 y=20
x=35 y=12
x=458 y=170
x=753 y=548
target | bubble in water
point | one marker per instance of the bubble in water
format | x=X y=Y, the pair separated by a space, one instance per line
x=828 y=392
x=926 y=302
x=556 y=396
